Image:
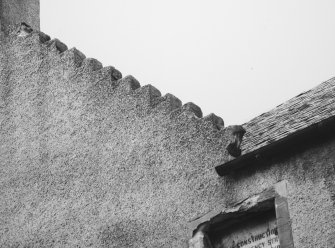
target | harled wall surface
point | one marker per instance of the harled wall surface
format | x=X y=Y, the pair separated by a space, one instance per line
x=91 y=160
x=310 y=176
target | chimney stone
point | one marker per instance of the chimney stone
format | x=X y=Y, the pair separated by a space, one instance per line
x=17 y=11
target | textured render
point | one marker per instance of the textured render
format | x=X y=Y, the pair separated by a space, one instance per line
x=89 y=159
x=310 y=178
x=16 y=11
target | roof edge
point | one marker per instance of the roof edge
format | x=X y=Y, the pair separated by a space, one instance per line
x=299 y=140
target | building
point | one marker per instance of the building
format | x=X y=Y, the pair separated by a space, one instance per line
x=89 y=158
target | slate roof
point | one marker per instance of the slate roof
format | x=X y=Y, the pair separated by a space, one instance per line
x=300 y=112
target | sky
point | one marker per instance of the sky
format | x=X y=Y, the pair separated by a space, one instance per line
x=235 y=58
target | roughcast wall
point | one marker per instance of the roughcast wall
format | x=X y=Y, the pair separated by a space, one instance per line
x=310 y=177
x=89 y=159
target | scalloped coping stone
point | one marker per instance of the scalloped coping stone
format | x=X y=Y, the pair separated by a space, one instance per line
x=60 y=46
x=216 y=120
x=190 y=106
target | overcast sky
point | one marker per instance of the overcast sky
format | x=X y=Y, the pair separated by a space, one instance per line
x=235 y=58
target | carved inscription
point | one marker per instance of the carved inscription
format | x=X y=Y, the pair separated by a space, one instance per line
x=260 y=232
x=260 y=240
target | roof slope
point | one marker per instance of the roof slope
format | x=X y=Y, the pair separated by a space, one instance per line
x=300 y=112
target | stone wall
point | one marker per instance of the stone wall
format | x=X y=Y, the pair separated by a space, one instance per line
x=16 y=11
x=91 y=159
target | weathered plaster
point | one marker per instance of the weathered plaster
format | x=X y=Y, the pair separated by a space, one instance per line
x=91 y=160
x=310 y=177
x=227 y=226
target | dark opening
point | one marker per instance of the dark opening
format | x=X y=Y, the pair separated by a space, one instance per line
x=255 y=229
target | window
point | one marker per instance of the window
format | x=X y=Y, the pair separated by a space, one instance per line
x=261 y=221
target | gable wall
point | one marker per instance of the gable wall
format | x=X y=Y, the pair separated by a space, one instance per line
x=92 y=161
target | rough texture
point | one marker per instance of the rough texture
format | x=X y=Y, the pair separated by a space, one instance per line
x=91 y=160
x=311 y=191
x=296 y=114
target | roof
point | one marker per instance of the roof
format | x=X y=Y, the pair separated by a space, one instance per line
x=305 y=119
x=300 y=112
